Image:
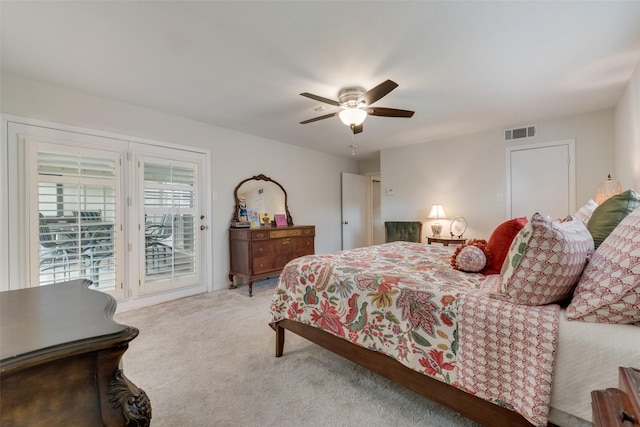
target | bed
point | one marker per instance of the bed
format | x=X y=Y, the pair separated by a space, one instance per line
x=402 y=311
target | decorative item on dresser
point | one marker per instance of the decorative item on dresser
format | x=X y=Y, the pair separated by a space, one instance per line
x=259 y=253
x=60 y=360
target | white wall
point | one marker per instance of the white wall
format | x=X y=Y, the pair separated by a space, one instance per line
x=467 y=174
x=627 y=134
x=311 y=178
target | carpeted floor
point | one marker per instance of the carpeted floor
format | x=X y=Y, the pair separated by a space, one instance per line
x=209 y=360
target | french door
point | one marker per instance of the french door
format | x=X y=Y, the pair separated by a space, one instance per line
x=77 y=229
x=127 y=215
x=170 y=221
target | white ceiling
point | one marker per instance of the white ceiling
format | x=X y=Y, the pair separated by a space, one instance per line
x=463 y=67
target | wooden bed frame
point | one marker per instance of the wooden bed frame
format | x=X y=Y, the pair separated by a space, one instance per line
x=470 y=406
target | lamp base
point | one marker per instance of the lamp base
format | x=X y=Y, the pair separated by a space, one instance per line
x=436 y=229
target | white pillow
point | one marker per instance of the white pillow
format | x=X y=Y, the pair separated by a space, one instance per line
x=584 y=213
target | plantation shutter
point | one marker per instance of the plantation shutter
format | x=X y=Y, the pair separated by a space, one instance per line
x=77 y=200
x=170 y=209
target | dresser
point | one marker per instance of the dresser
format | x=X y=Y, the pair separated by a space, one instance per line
x=259 y=253
x=60 y=360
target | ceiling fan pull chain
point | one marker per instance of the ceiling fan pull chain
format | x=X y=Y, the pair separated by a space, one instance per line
x=353 y=142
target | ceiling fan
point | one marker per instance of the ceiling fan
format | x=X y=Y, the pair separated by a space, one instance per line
x=356 y=105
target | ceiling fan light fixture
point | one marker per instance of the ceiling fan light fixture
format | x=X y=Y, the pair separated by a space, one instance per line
x=352 y=116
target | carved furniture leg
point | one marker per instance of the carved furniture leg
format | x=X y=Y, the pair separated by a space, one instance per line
x=232 y=285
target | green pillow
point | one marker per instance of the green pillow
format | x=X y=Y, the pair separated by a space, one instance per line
x=608 y=215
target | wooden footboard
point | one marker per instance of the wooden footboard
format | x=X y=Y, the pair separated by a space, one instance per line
x=472 y=407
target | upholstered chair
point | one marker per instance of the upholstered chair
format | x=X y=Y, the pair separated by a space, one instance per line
x=407 y=231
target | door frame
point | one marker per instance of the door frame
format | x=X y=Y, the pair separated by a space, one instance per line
x=570 y=143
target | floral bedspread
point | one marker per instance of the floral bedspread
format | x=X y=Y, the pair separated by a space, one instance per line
x=406 y=301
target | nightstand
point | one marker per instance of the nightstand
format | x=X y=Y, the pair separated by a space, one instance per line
x=446 y=240
x=618 y=406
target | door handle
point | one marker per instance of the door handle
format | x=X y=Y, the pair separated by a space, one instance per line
x=203 y=227
x=345 y=222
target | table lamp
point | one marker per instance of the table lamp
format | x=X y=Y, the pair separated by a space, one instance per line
x=437 y=213
x=607 y=189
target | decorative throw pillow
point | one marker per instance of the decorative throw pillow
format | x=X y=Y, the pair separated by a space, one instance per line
x=609 y=289
x=545 y=260
x=585 y=212
x=609 y=214
x=472 y=256
x=500 y=241
x=471 y=259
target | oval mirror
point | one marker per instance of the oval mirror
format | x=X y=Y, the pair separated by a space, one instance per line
x=262 y=195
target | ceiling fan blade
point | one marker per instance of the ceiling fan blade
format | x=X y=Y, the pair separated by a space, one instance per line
x=315 y=119
x=379 y=91
x=357 y=129
x=321 y=99
x=389 y=112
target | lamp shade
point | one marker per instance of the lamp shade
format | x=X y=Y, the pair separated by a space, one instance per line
x=607 y=189
x=352 y=116
x=437 y=212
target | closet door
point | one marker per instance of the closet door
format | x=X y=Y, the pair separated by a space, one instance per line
x=541 y=178
x=171 y=221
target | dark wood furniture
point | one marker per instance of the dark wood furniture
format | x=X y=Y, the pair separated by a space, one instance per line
x=618 y=407
x=258 y=253
x=466 y=404
x=60 y=360
x=446 y=240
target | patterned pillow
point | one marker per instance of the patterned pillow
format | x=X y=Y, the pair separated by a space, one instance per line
x=609 y=289
x=545 y=260
x=471 y=259
x=584 y=213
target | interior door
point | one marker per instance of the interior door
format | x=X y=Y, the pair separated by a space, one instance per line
x=354 y=210
x=541 y=179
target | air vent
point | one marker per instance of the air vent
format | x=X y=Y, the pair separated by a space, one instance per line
x=519 y=133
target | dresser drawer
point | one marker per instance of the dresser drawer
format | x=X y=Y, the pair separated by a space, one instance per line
x=303 y=246
x=264 y=264
x=260 y=235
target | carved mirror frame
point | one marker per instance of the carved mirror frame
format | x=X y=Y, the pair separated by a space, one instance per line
x=260 y=177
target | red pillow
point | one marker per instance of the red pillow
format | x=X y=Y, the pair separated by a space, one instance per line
x=500 y=241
